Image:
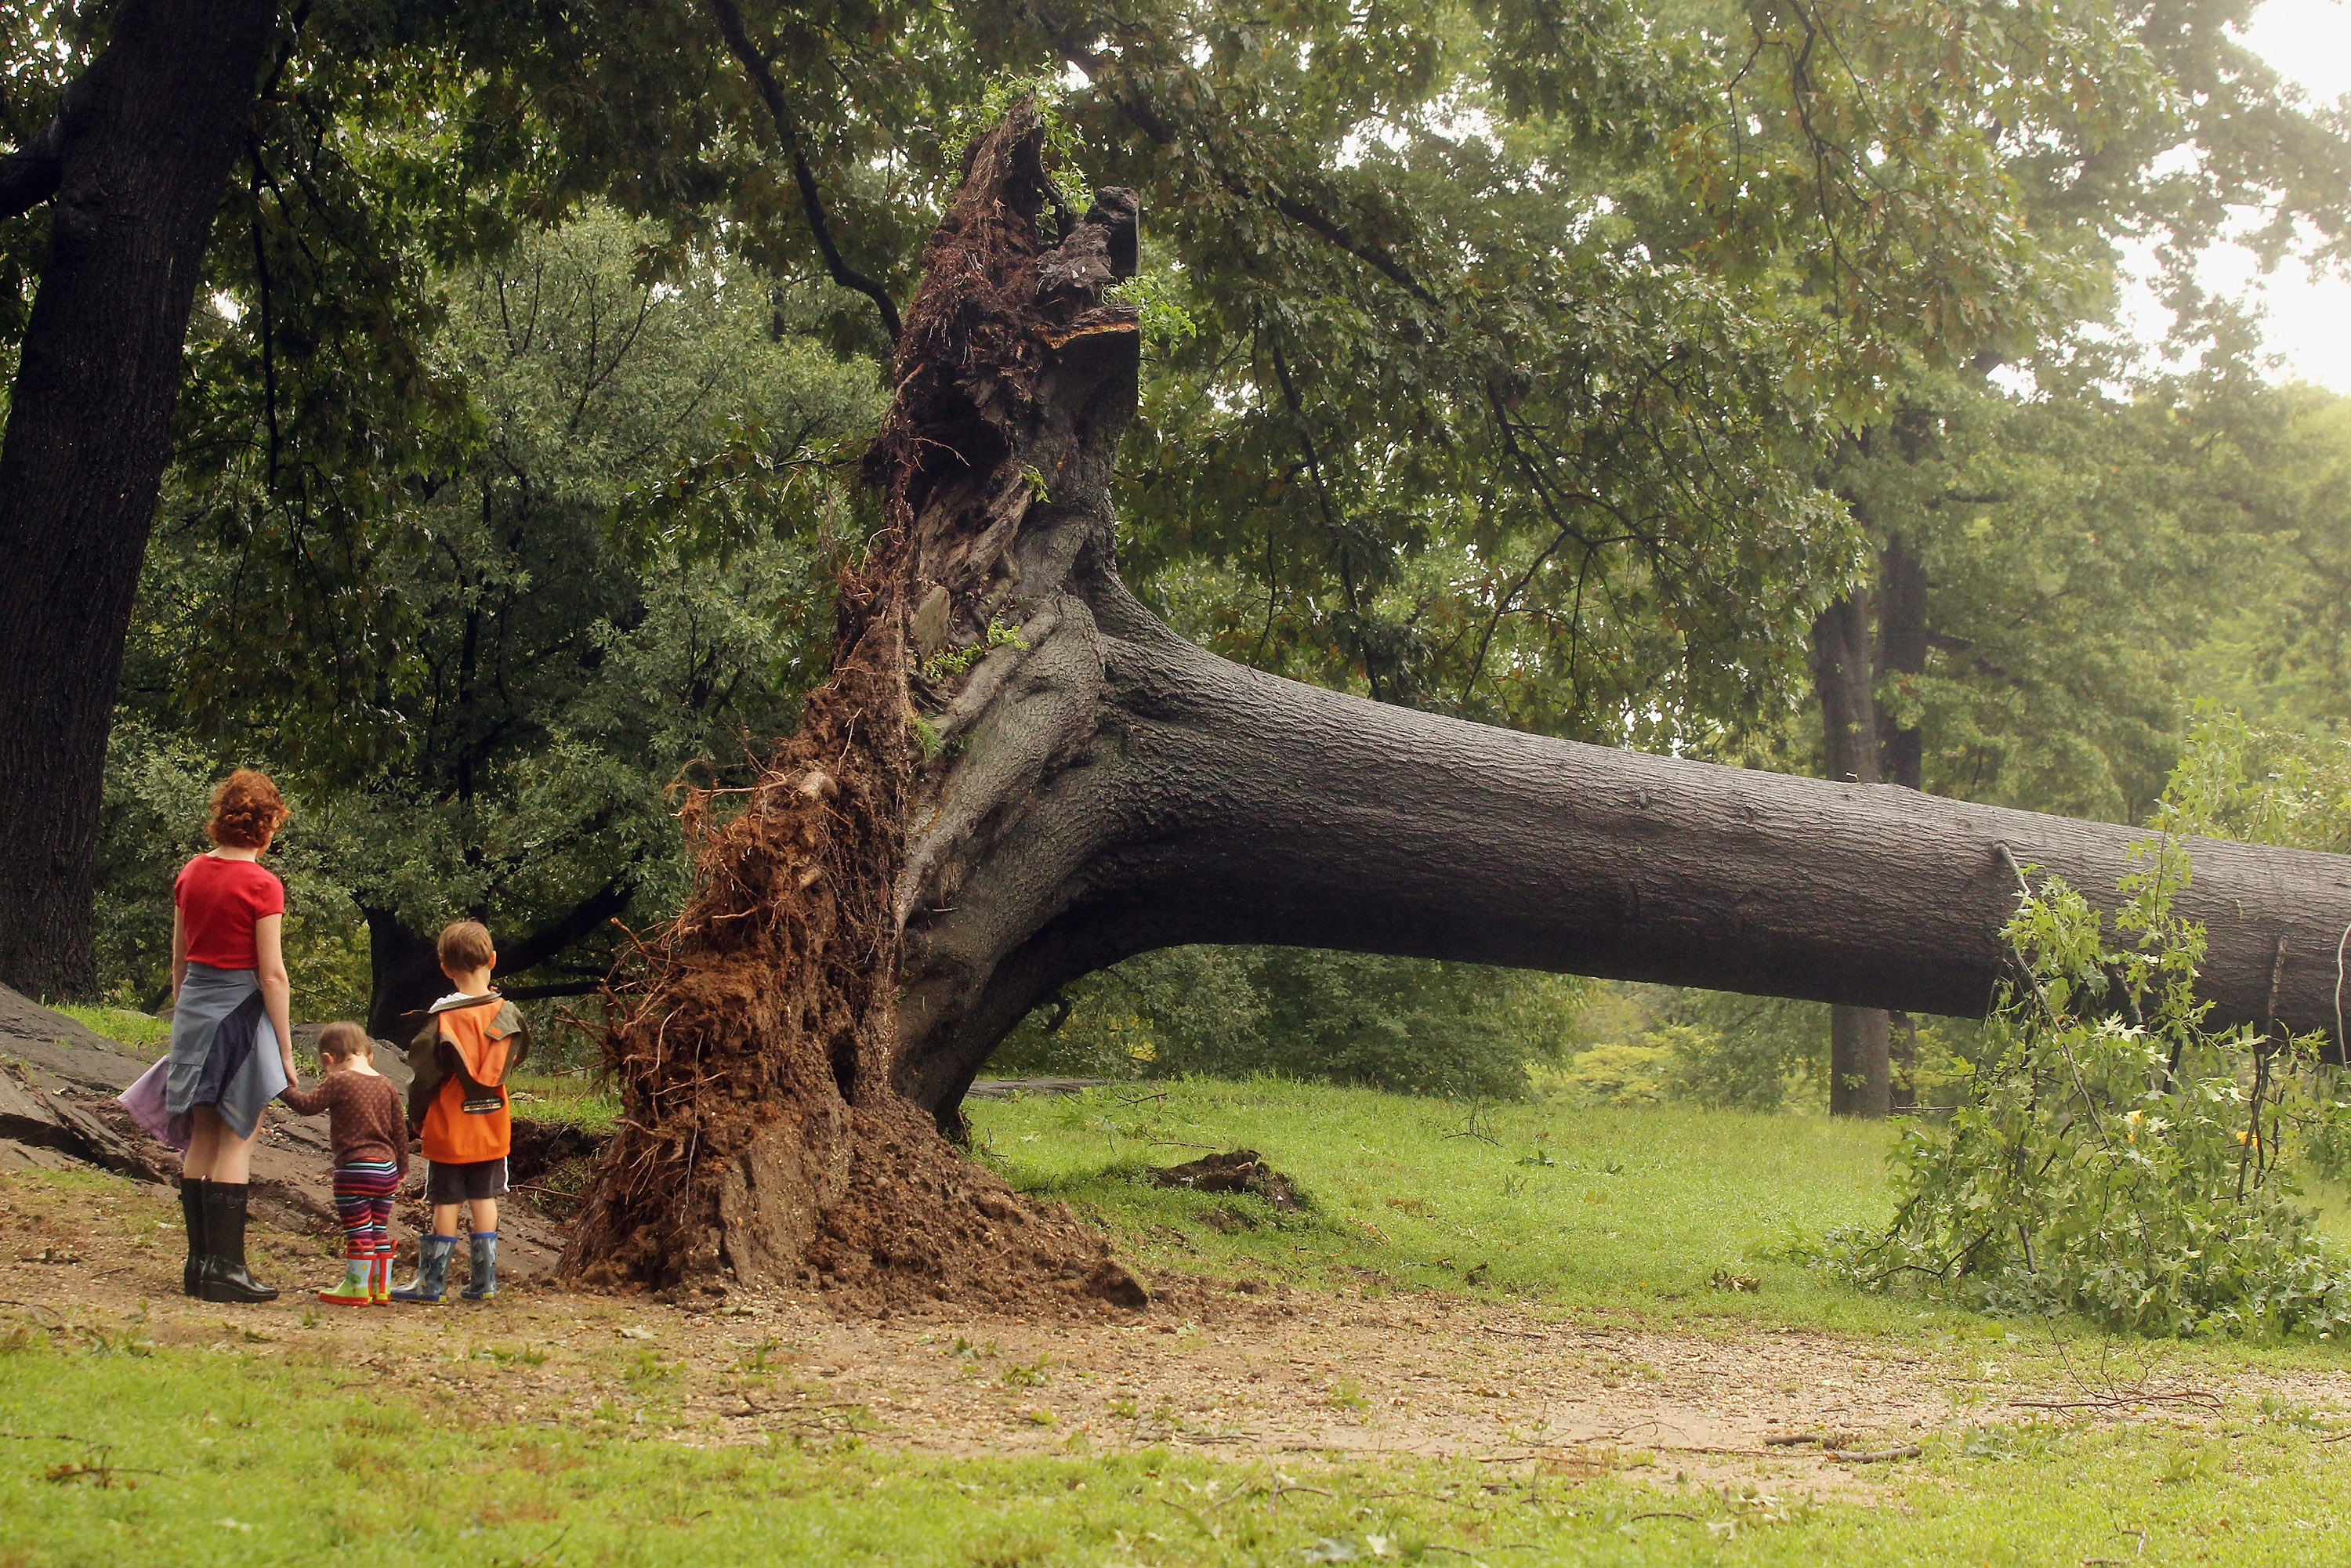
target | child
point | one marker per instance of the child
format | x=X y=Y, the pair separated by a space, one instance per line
x=370 y=1142
x=473 y=1039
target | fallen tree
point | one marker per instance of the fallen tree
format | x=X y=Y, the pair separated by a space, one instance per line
x=1018 y=775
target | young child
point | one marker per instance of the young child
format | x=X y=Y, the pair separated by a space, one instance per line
x=472 y=1040
x=370 y=1143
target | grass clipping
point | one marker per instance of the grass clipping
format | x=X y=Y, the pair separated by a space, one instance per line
x=2112 y=1157
x=760 y=1141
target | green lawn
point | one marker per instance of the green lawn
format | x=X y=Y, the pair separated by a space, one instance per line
x=117 y=1451
x=1651 y=1209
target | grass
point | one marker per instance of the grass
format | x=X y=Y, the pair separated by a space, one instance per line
x=572 y=1096
x=138 y=1031
x=1669 y=1212
x=115 y=1450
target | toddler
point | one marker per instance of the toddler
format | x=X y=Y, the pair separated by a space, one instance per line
x=370 y=1142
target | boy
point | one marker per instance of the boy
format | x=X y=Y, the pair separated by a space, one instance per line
x=371 y=1144
x=457 y=1104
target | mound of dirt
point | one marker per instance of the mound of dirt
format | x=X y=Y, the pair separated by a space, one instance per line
x=1242 y=1170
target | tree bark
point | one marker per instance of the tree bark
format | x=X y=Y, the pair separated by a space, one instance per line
x=1860 y=1076
x=1901 y=652
x=1901 y=750
x=138 y=157
x=1081 y=784
x=1126 y=790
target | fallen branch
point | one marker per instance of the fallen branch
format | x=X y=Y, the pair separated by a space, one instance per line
x=2123 y=1400
x=1856 y=1457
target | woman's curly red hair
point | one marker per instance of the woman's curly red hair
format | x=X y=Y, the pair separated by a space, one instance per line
x=246 y=809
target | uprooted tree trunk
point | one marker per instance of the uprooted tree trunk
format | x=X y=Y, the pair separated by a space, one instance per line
x=1018 y=775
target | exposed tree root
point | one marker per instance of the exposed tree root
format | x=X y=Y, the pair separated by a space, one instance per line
x=761 y=1140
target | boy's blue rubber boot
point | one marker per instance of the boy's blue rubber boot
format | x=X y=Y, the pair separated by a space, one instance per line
x=484 y=1281
x=432 y=1281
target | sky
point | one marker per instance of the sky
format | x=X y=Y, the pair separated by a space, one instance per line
x=2308 y=41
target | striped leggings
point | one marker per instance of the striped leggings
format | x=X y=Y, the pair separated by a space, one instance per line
x=363 y=1192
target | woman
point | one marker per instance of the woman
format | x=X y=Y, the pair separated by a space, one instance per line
x=232 y=1052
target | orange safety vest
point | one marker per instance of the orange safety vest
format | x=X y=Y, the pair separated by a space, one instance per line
x=455 y=1134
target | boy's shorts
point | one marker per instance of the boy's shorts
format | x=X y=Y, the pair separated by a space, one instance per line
x=457 y=1184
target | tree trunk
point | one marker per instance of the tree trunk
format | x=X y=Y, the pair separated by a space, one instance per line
x=1859 y=1072
x=1084 y=785
x=1901 y=749
x=404 y=977
x=762 y=1139
x=139 y=155
x=1901 y=652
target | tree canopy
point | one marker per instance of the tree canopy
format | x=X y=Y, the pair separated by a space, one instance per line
x=1556 y=363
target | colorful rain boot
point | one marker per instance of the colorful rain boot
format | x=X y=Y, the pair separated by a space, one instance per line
x=359 y=1272
x=483 y=1284
x=432 y=1281
x=380 y=1275
x=192 y=1211
x=224 y=1276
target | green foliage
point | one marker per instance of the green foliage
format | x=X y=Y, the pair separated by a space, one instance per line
x=1405 y=1025
x=612 y=572
x=2236 y=780
x=1619 y=1075
x=153 y=821
x=953 y=663
x=1049 y=92
x=2113 y=1156
x=1653 y=1043
x=1158 y=299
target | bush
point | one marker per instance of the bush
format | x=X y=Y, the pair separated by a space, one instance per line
x=1412 y=1026
x=1619 y=1075
x=2111 y=1157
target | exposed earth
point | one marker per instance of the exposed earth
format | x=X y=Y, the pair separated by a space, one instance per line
x=1246 y=1367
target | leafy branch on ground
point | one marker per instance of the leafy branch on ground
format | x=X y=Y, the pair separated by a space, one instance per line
x=2112 y=1156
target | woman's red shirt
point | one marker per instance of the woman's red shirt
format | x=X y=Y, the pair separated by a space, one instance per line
x=220 y=902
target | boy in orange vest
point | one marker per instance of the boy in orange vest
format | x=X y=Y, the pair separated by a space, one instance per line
x=457 y=1104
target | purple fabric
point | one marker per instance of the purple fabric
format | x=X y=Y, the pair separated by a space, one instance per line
x=144 y=1102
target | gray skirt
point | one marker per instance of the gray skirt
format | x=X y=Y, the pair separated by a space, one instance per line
x=224 y=1050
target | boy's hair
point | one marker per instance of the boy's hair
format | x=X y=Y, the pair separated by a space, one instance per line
x=465 y=945
x=342 y=1041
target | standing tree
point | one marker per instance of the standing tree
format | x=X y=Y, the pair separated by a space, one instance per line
x=133 y=168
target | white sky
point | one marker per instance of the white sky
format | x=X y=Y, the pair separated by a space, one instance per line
x=2309 y=42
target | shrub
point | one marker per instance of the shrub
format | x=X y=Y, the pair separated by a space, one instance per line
x=2112 y=1156
x=1407 y=1025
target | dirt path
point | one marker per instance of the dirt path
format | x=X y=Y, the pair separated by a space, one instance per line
x=1245 y=1371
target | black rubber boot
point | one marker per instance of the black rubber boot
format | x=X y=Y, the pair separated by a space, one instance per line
x=226 y=1277
x=192 y=1211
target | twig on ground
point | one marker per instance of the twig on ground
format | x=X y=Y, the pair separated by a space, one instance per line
x=1856 y=1457
x=2201 y=1398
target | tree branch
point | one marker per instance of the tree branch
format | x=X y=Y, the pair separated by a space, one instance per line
x=541 y=993
x=566 y=928
x=30 y=175
x=738 y=39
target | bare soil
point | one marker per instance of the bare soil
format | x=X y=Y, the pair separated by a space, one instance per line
x=1238 y=1369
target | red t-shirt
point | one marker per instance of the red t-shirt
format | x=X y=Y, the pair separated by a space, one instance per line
x=220 y=901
